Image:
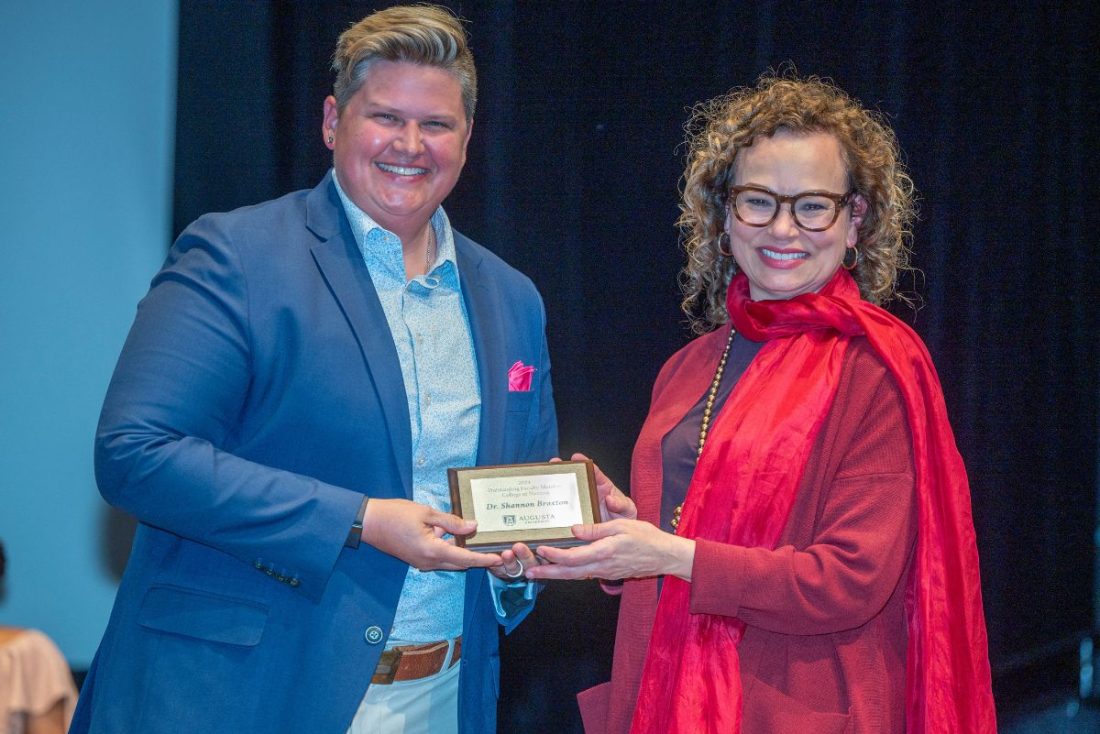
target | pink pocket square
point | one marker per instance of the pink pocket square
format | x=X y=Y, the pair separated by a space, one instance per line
x=519 y=377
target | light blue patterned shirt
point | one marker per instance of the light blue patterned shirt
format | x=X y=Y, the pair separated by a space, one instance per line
x=431 y=331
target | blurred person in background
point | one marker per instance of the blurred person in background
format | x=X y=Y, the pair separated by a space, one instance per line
x=37 y=693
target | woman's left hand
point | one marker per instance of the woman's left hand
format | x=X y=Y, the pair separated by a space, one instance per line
x=618 y=549
x=516 y=560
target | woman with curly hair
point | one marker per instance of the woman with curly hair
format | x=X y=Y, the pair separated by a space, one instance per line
x=798 y=549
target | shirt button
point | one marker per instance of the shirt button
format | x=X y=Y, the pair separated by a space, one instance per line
x=428 y=400
x=373 y=635
x=420 y=461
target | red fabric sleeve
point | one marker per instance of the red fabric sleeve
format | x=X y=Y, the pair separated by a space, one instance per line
x=851 y=531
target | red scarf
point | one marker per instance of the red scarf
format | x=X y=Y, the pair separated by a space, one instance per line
x=691 y=682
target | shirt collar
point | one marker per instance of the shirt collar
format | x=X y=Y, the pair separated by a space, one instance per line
x=380 y=246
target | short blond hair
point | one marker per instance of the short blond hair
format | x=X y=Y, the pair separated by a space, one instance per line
x=719 y=129
x=417 y=34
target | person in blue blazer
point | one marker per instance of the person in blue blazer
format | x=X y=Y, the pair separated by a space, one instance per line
x=296 y=381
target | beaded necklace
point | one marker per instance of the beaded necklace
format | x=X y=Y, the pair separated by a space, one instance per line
x=708 y=409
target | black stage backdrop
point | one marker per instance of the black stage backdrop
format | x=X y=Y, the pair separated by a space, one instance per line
x=573 y=175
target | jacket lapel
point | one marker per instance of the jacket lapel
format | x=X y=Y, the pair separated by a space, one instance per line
x=483 y=304
x=341 y=265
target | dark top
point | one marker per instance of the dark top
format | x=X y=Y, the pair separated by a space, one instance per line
x=679 y=448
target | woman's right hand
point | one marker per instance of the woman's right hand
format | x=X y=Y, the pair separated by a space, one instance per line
x=618 y=547
x=614 y=505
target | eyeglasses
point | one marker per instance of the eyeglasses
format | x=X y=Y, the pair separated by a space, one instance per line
x=813 y=211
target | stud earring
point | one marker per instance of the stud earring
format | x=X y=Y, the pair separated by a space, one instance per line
x=331 y=139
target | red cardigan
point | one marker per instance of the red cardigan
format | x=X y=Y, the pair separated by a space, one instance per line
x=825 y=645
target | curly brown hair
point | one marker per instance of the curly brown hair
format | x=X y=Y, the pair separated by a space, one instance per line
x=720 y=128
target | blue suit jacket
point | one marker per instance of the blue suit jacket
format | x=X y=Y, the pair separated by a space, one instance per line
x=258 y=397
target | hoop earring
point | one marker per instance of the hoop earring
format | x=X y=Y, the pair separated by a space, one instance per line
x=724 y=246
x=856 y=257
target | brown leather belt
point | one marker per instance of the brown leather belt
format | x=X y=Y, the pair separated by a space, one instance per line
x=412 y=662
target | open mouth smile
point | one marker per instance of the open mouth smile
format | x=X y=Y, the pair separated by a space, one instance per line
x=402 y=170
x=783 y=255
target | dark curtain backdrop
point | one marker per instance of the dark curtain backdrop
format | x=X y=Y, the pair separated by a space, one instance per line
x=573 y=175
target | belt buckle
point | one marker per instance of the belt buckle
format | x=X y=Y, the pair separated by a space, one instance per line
x=387 y=666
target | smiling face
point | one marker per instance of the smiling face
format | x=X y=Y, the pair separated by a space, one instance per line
x=781 y=260
x=400 y=143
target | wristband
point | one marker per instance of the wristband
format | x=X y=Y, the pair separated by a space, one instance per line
x=355 y=535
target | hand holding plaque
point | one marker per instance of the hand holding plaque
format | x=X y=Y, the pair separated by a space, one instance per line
x=536 y=504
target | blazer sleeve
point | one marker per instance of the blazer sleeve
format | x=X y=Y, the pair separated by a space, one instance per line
x=173 y=407
x=863 y=531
